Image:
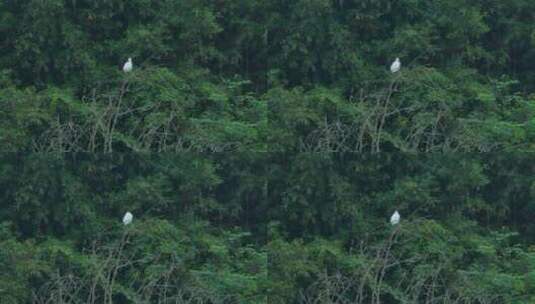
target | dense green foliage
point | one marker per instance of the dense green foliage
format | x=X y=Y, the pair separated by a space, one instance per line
x=262 y=146
x=243 y=228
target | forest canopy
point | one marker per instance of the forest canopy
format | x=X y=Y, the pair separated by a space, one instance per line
x=262 y=147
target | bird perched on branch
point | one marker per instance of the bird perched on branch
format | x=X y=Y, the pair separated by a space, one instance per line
x=127 y=219
x=396 y=66
x=394 y=220
x=127 y=67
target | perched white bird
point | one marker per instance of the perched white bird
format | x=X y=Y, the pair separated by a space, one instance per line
x=396 y=65
x=127 y=219
x=394 y=220
x=127 y=67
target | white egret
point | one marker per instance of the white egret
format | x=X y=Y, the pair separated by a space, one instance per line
x=127 y=219
x=396 y=65
x=127 y=67
x=394 y=220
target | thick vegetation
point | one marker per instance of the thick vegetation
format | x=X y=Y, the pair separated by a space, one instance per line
x=262 y=146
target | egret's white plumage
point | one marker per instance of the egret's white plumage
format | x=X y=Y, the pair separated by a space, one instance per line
x=394 y=220
x=127 y=219
x=127 y=67
x=396 y=65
